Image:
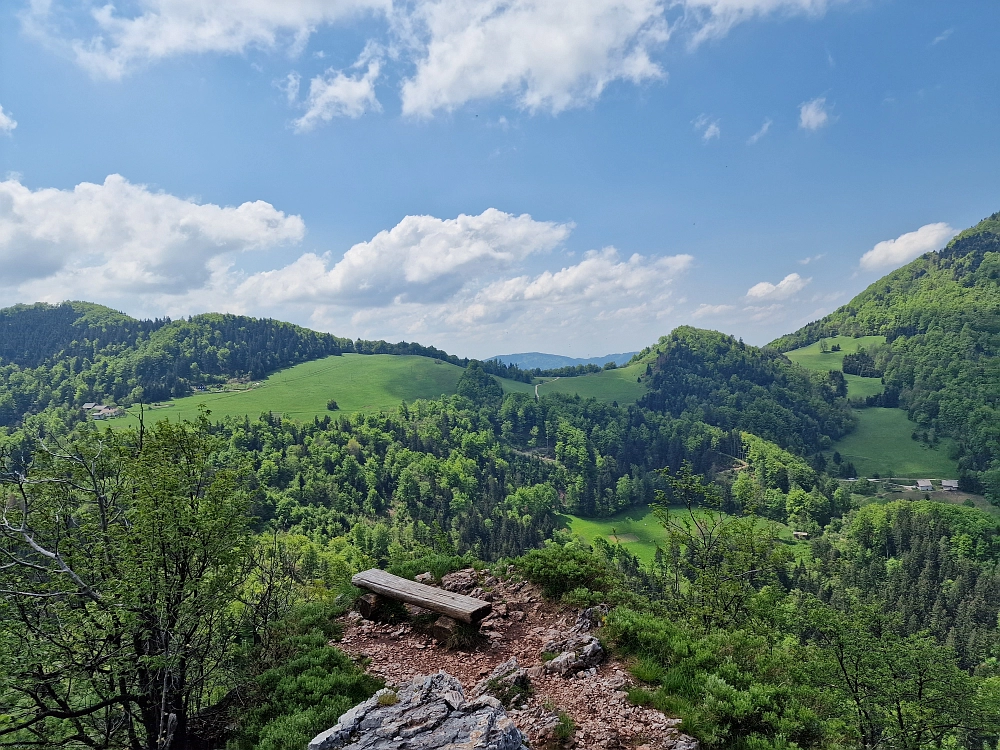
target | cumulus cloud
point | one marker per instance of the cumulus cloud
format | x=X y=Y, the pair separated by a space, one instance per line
x=7 y=123
x=629 y=298
x=102 y=241
x=906 y=247
x=708 y=127
x=545 y=55
x=548 y=54
x=421 y=259
x=814 y=114
x=477 y=279
x=334 y=94
x=760 y=133
x=788 y=286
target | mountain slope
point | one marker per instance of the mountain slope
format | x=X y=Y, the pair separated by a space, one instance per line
x=940 y=315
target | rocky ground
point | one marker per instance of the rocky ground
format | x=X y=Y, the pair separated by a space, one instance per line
x=523 y=626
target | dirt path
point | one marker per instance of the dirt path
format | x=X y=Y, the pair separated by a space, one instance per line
x=545 y=383
x=522 y=622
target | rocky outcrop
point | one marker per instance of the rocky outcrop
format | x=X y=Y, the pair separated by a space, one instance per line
x=428 y=713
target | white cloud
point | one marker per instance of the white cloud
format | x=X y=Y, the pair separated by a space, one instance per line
x=760 y=133
x=714 y=18
x=118 y=238
x=421 y=259
x=813 y=114
x=906 y=247
x=549 y=55
x=942 y=36
x=811 y=259
x=7 y=123
x=788 y=286
x=706 y=311
x=627 y=299
x=290 y=85
x=546 y=55
x=708 y=127
x=334 y=94
x=161 y=29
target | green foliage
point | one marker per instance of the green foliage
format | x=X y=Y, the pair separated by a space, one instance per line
x=939 y=316
x=307 y=692
x=716 y=379
x=479 y=386
x=131 y=572
x=559 y=569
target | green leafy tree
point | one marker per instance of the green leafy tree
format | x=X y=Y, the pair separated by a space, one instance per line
x=714 y=563
x=131 y=585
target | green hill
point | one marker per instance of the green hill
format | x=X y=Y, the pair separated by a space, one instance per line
x=813 y=357
x=711 y=377
x=620 y=385
x=940 y=316
x=358 y=383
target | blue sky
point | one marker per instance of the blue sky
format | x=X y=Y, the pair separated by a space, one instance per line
x=491 y=176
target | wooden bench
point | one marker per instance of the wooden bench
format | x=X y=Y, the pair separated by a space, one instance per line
x=456 y=606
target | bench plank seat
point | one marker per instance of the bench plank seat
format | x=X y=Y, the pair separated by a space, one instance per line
x=457 y=606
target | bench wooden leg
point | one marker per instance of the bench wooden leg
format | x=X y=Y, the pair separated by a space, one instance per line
x=369 y=606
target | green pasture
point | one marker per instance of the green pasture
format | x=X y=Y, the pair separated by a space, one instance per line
x=812 y=358
x=639 y=531
x=608 y=385
x=357 y=382
x=882 y=445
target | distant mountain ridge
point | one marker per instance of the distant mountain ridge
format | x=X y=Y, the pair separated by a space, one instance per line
x=543 y=361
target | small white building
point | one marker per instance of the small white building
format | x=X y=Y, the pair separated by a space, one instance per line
x=949 y=485
x=924 y=485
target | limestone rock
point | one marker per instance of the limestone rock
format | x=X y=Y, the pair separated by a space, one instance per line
x=576 y=652
x=508 y=683
x=428 y=713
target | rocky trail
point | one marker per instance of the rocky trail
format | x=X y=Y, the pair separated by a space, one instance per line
x=574 y=679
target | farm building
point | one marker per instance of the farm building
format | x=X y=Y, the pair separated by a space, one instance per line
x=924 y=485
x=949 y=485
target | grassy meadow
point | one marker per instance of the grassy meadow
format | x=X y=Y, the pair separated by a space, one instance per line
x=882 y=445
x=358 y=383
x=812 y=358
x=638 y=531
x=609 y=385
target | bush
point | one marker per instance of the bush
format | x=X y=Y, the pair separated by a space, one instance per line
x=560 y=570
x=307 y=693
x=332 y=405
x=437 y=563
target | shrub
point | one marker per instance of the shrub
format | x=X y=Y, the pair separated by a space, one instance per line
x=332 y=405
x=560 y=570
x=305 y=693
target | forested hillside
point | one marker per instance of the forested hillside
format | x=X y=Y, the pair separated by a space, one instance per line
x=940 y=315
x=714 y=378
x=62 y=356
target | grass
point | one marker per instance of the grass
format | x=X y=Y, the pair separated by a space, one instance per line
x=812 y=358
x=608 y=385
x=882 y=445
x=359 y=383
x=639 y=531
